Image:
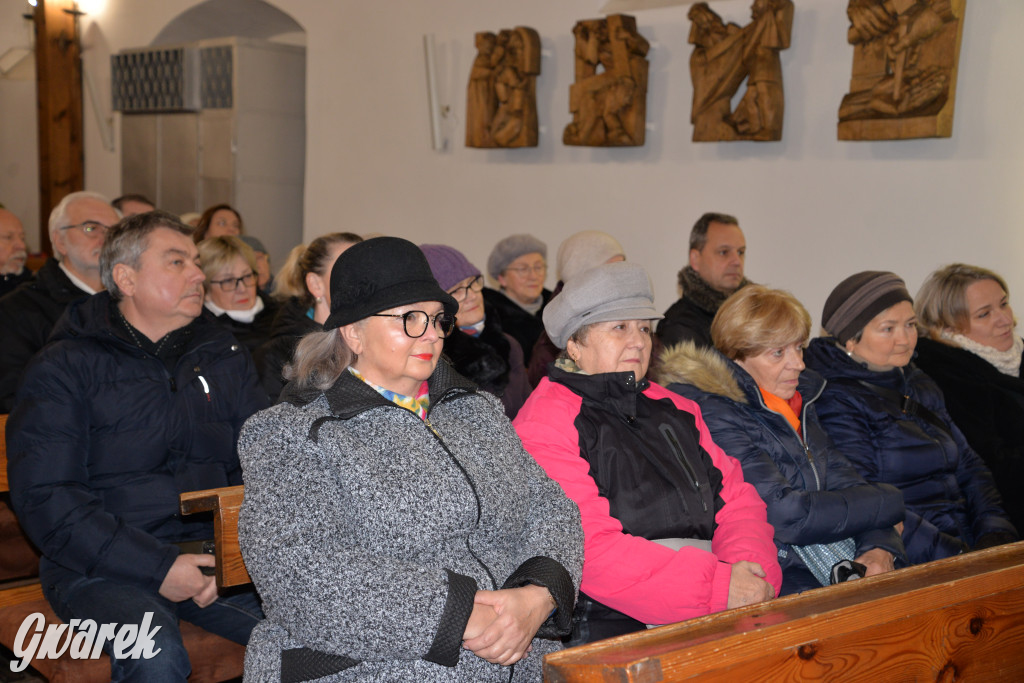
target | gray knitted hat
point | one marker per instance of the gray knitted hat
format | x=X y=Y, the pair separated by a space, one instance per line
x=858 y=299
x=613 y=291
x=511 y=248
x=583 y=251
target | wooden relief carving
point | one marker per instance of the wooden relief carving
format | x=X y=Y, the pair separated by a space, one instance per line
x=501 y=100
x=904 y=69
x=608 y=100
x=724 y=55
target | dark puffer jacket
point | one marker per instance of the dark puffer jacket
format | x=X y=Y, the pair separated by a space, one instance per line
x=949 y=493
x=521 y=325
x=104 y=438
x=27 y=316
x=813 y=493
x=493 y=361
x=988 y=407
x=368 y=531
x=253 y=334
x=11 y=281
x=289 y=326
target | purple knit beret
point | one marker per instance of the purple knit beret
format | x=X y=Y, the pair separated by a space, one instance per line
x=448 y=265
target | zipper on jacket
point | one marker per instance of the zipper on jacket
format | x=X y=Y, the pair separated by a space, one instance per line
x=670 y=436
x=803 y=428
x=479 y=510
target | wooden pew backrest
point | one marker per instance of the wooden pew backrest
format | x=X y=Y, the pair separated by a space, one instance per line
x=956 y=619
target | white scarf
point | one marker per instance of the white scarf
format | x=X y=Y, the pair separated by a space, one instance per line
x=1006 y=362
x=245 y=316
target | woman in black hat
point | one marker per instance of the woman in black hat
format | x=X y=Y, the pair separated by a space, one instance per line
x=890 y=420
x=393 y=524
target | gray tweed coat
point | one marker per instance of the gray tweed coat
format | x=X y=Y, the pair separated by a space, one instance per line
x=367 y=533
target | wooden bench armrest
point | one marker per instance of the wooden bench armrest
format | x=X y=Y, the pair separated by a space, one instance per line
x=18 y=592
x=225 y=504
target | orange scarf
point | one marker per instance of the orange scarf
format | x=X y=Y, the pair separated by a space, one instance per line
x=787 y=409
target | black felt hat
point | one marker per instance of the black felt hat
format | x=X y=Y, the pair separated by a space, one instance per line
x=378 y=274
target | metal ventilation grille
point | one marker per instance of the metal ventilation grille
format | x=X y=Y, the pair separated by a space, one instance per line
x=155 y=80
x=216 y=65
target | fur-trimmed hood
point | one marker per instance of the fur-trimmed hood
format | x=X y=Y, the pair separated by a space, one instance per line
x=711 y=372
x=704 y=368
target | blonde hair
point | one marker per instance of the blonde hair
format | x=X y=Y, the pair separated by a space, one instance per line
x=217 y=253
x=757 y=318
x=302 y=260
x=941 y=303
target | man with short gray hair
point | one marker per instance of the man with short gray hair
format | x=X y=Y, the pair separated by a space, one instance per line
x=78 y=225
x=715 y=270
x=136 y=399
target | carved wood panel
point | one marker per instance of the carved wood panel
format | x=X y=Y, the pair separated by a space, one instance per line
x=501 y=99
x=904 y=69
x=608 y=100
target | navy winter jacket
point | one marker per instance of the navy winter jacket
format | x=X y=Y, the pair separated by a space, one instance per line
x=813 y=493
x=104 y=438
x=950 y=496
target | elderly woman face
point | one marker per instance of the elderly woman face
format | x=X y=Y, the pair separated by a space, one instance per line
x=469 y=294
x=889 y=339
x=616 y=346
x=523 y=279
x=777 y=370
x=224 y=223
x=398 y=348
x=990 y=318
x=233 y=287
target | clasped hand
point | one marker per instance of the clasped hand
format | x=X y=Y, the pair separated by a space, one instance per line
x=184 y=580
x=504 y=622
x=747 y=585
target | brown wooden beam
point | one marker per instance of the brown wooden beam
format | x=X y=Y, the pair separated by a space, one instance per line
x=59 y=96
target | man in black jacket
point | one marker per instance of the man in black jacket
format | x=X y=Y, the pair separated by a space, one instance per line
x=13 y=253
x=27 y=315
x=135 y=400
x=715 y=271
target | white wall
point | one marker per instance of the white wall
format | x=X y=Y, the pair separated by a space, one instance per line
x=814 y=209
x=19 y=163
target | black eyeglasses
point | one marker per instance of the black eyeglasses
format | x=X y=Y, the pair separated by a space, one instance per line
x=475 y=285
x=231 y=284
x=415 y=323
x=89 y=227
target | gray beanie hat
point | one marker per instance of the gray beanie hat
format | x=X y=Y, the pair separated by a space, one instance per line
x=613 y=291
x=511 y=248
x=583 y=251
x=858 y=299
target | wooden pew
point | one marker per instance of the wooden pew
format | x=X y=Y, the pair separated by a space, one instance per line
x=952 y=620
x=225 y=504
x=213 y=658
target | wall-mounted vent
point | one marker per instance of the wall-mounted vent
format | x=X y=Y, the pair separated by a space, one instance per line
x=156 y=80
x=216 y=65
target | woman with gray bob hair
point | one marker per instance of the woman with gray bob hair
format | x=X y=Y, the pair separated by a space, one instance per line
x=671 y=530
x=393 y=524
